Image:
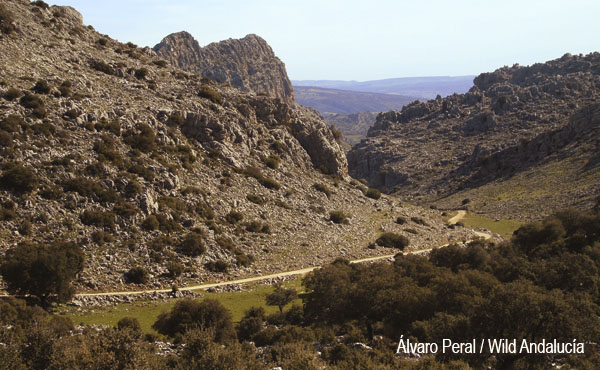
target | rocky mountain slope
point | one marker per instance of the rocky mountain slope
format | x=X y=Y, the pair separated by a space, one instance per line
x=143 y=164
x=522 y=141
x=354 y=126
x=248 y=64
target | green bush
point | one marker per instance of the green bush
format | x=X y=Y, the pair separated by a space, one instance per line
x=12 y=94
x=392 y=240
x=373 y=193
x=234 y=217
x=192 y=245
x=100 y=237
x=43 y=271
x=400 y=220
x=419 y=221
x=41 y=4
x=12 y=123
x=89 y=188
x=217 y=266
x=211 y=94
x=160 y=63
x=144 y=141
x=256 y=173
x=130 y=323
x=150 y=223
x=272 y=161
x=31 y=101
x=6 y=20
x=188 y=314
x=41 y=87
x=137 y=275
x=323 y=189
x=255 y=199
x=103 y=67
x=98 y=218
x=175 y=269
x=6 y=142
x=176 y=119
x=19 y=179
x=338 y=217
x=141 y=73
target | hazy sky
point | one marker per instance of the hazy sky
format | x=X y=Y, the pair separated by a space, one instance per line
x=367 y=39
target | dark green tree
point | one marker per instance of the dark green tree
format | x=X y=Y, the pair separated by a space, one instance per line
x=281 y=296
x=43 y=271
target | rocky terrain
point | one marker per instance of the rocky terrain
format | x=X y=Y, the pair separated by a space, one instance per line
x=145 y=165
x=354 y=126
x=522 y=142
x=248 y=64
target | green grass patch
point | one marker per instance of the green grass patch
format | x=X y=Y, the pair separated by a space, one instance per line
x=147 y=311
x=505 y=228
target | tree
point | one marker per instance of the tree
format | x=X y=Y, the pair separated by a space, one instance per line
x=42 y=271
x=281 y=296
x=189 y=314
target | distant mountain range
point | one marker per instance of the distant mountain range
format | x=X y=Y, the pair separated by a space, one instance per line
x=344 y=101
x=420 y=87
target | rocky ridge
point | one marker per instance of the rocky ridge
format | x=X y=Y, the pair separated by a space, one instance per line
x=143 y=164
x=512 y=121
x=248 y=64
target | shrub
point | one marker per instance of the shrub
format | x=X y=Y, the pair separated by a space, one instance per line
x=125 y=209
x=31 y=101
x=211 y=94
x=160 y=63
x=419 y=221
x=41 y=4
x=102 y=41
x=12 y=123
x=176 y=119
x=41 y=87
x=192 y=245
x=100 y=237
x=243 y=259
x=89 y=188
x=272 y=161
x=392 y=240
x=255 y=199
x=6 y=20
x=217 y=266
x=130 y=323
x=257 y=226
x=19 y=179
x=412 y=231
x=98 y=218
x=175 y=269
x=256 y=173
x=189 y=314
x=137 y=275
x=51 y=192
x=337 y=217
x=150 y=223
x=234 y=217
x=322 y=188
x=12 y=94
x=144 y=141
x=373 y=193
x=141 y=73
x=400 y=220
x=6 y=141
x=72 y=114
x=103 y=67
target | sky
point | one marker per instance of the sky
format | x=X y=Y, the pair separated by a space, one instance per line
x=366 y=39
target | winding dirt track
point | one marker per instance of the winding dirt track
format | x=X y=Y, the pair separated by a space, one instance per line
x=459 y=216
